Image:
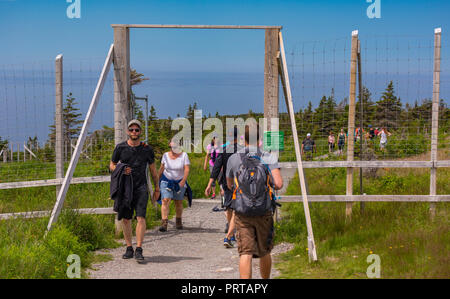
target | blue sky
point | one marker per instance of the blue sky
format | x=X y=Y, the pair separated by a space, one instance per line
x=36 y=30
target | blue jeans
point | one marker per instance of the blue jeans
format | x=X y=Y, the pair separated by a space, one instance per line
x=168 y=193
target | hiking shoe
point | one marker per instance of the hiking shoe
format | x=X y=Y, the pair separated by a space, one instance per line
x=129 y=253
x=163 y=227
x=179 y=224
x=213 y=196
x=227 y=243
x=138 y=255
x=233 y=239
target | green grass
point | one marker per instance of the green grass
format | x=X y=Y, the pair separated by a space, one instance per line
x=409 y=243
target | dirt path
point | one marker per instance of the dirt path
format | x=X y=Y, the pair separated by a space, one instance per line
x=197 y=251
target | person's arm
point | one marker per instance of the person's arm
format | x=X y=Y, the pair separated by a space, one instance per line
x=112 y=166
x=277 y=179
x=155 y=176
x=206 y=161
x=186 y=170
x=229 y=173
x=186 y=173
x=302 y=149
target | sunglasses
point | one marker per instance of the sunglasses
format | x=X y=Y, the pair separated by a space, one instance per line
x=135 y=130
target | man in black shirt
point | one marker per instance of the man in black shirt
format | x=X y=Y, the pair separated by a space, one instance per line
x=137 y=155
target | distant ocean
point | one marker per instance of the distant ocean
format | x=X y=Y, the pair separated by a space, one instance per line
x=27 y=96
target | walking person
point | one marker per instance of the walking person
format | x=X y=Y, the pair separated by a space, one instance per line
x=383 y=140
x=173 y=175
x=129 y=161
x=342 y=140
x=220 y=167
x=331 y=142
x=211 y=153
x=308 y=147
x=254 y=175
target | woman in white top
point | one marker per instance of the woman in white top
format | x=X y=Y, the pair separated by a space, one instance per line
x=173 y=172
x=383 y=140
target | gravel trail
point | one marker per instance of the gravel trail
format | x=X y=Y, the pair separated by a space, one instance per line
x=197 y=251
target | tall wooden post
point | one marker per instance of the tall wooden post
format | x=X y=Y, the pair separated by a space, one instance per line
x=351 y=121
x=271 y=86
x=361 y=126
x=122 y=91
x=59 y=159
x=435 y=114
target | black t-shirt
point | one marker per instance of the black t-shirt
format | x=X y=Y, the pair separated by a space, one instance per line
x=137 y=157
x=308 y=144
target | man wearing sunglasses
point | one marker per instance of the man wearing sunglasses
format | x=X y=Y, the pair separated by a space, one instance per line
x=136 y=155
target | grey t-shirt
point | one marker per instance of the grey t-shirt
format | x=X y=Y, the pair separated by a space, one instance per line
x=235 y=161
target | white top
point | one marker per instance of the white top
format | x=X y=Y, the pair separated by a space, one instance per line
x=174 y=168
x=383 y=137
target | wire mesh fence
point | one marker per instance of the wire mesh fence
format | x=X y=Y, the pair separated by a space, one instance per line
x=397 y=80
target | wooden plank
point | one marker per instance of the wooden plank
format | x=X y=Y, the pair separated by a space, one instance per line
x=175 y=26
x=366 y=198
x=351 y=120
x=53 y=182
x=435 y=114
x=40 y=214
x=290 y=108
x=371 y=164
x=81 y=139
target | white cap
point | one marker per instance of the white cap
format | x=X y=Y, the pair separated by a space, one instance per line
x=309 y=134
x=135 y=122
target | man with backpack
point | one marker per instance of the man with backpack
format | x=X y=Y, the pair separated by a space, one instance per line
x=253 y=175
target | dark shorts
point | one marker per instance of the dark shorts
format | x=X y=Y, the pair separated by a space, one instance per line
x=254 y=235
x=228 y=198
x=138 y=204
x=341 y=145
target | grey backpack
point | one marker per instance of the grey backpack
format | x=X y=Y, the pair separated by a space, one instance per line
x=252 y=195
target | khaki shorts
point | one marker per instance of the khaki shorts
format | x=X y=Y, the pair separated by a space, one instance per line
x=254 y=235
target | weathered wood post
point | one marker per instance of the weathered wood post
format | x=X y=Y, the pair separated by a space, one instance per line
x=271 y=86
x=59 y=146
x=122 y=92
x=271 y=79
x=351 y=122
x=435 y=115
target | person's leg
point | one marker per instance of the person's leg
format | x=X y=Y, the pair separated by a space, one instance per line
x=231 y=225
x=265 y=266
x=140 y=231
x=165 y=208
x=127 y=231
x=245 y=266
x=178 y=208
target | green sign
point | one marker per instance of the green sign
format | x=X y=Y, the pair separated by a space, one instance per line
x=274 y=140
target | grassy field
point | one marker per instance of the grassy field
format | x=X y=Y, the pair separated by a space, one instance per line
x=409 y=243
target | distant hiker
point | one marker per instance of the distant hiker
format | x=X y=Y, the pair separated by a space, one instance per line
x=132 y=157
x=220 y=167
x=308 y=147
x=331 y=142
x=342 y=140
x=383 y=140
x=254 y=174
x=371 y=132
x=173 y=174
x=212 y=151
